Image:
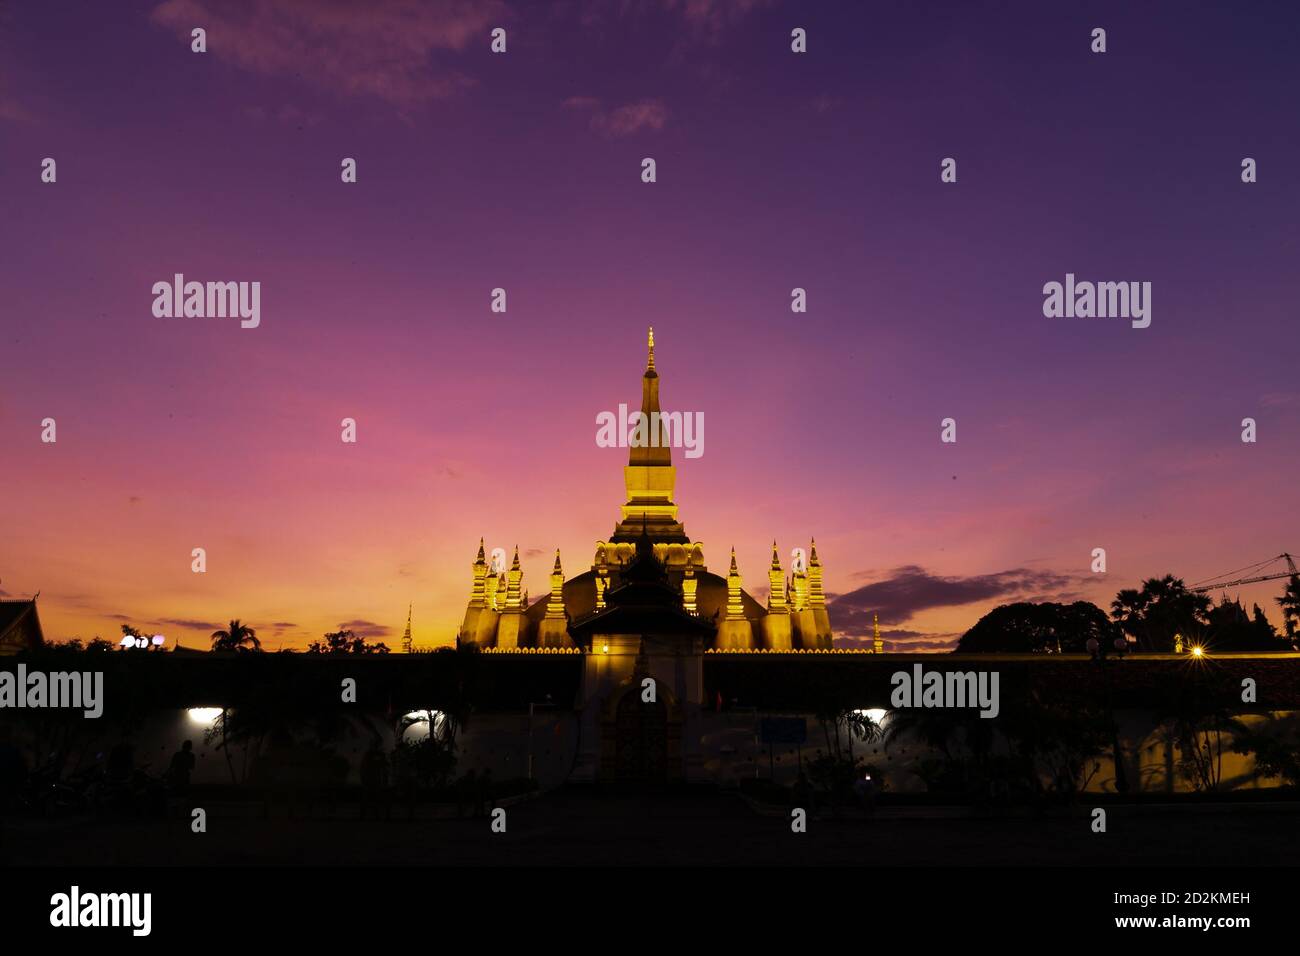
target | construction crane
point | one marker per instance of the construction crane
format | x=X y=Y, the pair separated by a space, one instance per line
x=1201 y=588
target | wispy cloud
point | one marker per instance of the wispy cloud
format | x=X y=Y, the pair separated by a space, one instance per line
x=647 y=114
x=387 y=49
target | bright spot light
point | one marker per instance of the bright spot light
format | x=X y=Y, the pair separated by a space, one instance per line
x=204 y=715
x=417 y=724
x=1198 y=651
x=876 y=715
x=159 y=640
x=605 y=648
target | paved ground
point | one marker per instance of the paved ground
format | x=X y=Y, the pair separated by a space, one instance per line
x=575 y=826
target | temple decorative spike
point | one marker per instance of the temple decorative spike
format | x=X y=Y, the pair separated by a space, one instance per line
x=649 y=475
x=407 y=644
x=735 y=631
x=553 y=630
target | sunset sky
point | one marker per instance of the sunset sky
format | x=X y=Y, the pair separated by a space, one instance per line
x=522 y=170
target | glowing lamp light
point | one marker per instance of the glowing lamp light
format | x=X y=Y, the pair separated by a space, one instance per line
x=1198 y=651
x=605 y=648
x=876 y=715
x=418 y=723
x=159 y=640
x=204 y=715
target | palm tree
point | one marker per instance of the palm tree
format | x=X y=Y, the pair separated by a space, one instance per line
x=1290 y=604
x=1128 y=610
x=235 y=638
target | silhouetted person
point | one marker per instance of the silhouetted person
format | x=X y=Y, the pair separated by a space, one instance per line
x=180 y=768
x=374 y=779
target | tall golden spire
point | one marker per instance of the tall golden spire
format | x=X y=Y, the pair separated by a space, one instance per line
x=407 y=644
x=655 y=451
x=649 y=475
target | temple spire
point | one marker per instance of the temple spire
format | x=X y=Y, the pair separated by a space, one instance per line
x=649 y=475
x=407 y=645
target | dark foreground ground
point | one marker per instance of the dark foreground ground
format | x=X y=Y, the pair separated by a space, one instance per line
x=578 y=826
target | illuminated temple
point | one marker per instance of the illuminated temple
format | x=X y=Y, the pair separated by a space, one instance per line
x=649 y=577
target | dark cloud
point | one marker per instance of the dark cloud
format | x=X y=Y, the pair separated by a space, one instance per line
x=188 y=624
x=911 y=589
x=363 y=628
x=283 y=624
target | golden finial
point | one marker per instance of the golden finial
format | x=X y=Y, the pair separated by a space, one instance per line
x=651 y=362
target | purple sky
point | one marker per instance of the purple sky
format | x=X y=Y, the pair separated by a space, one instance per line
x=522 y=170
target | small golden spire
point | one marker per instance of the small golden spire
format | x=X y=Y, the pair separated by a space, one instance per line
x=514 y=566
x=651 y=362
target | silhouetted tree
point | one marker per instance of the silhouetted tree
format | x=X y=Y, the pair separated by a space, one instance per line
x=345 y=641
x=1025 y=628
x=1275 y=745
x=1163 y=608
x=237 y=637
x=1290 y=604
